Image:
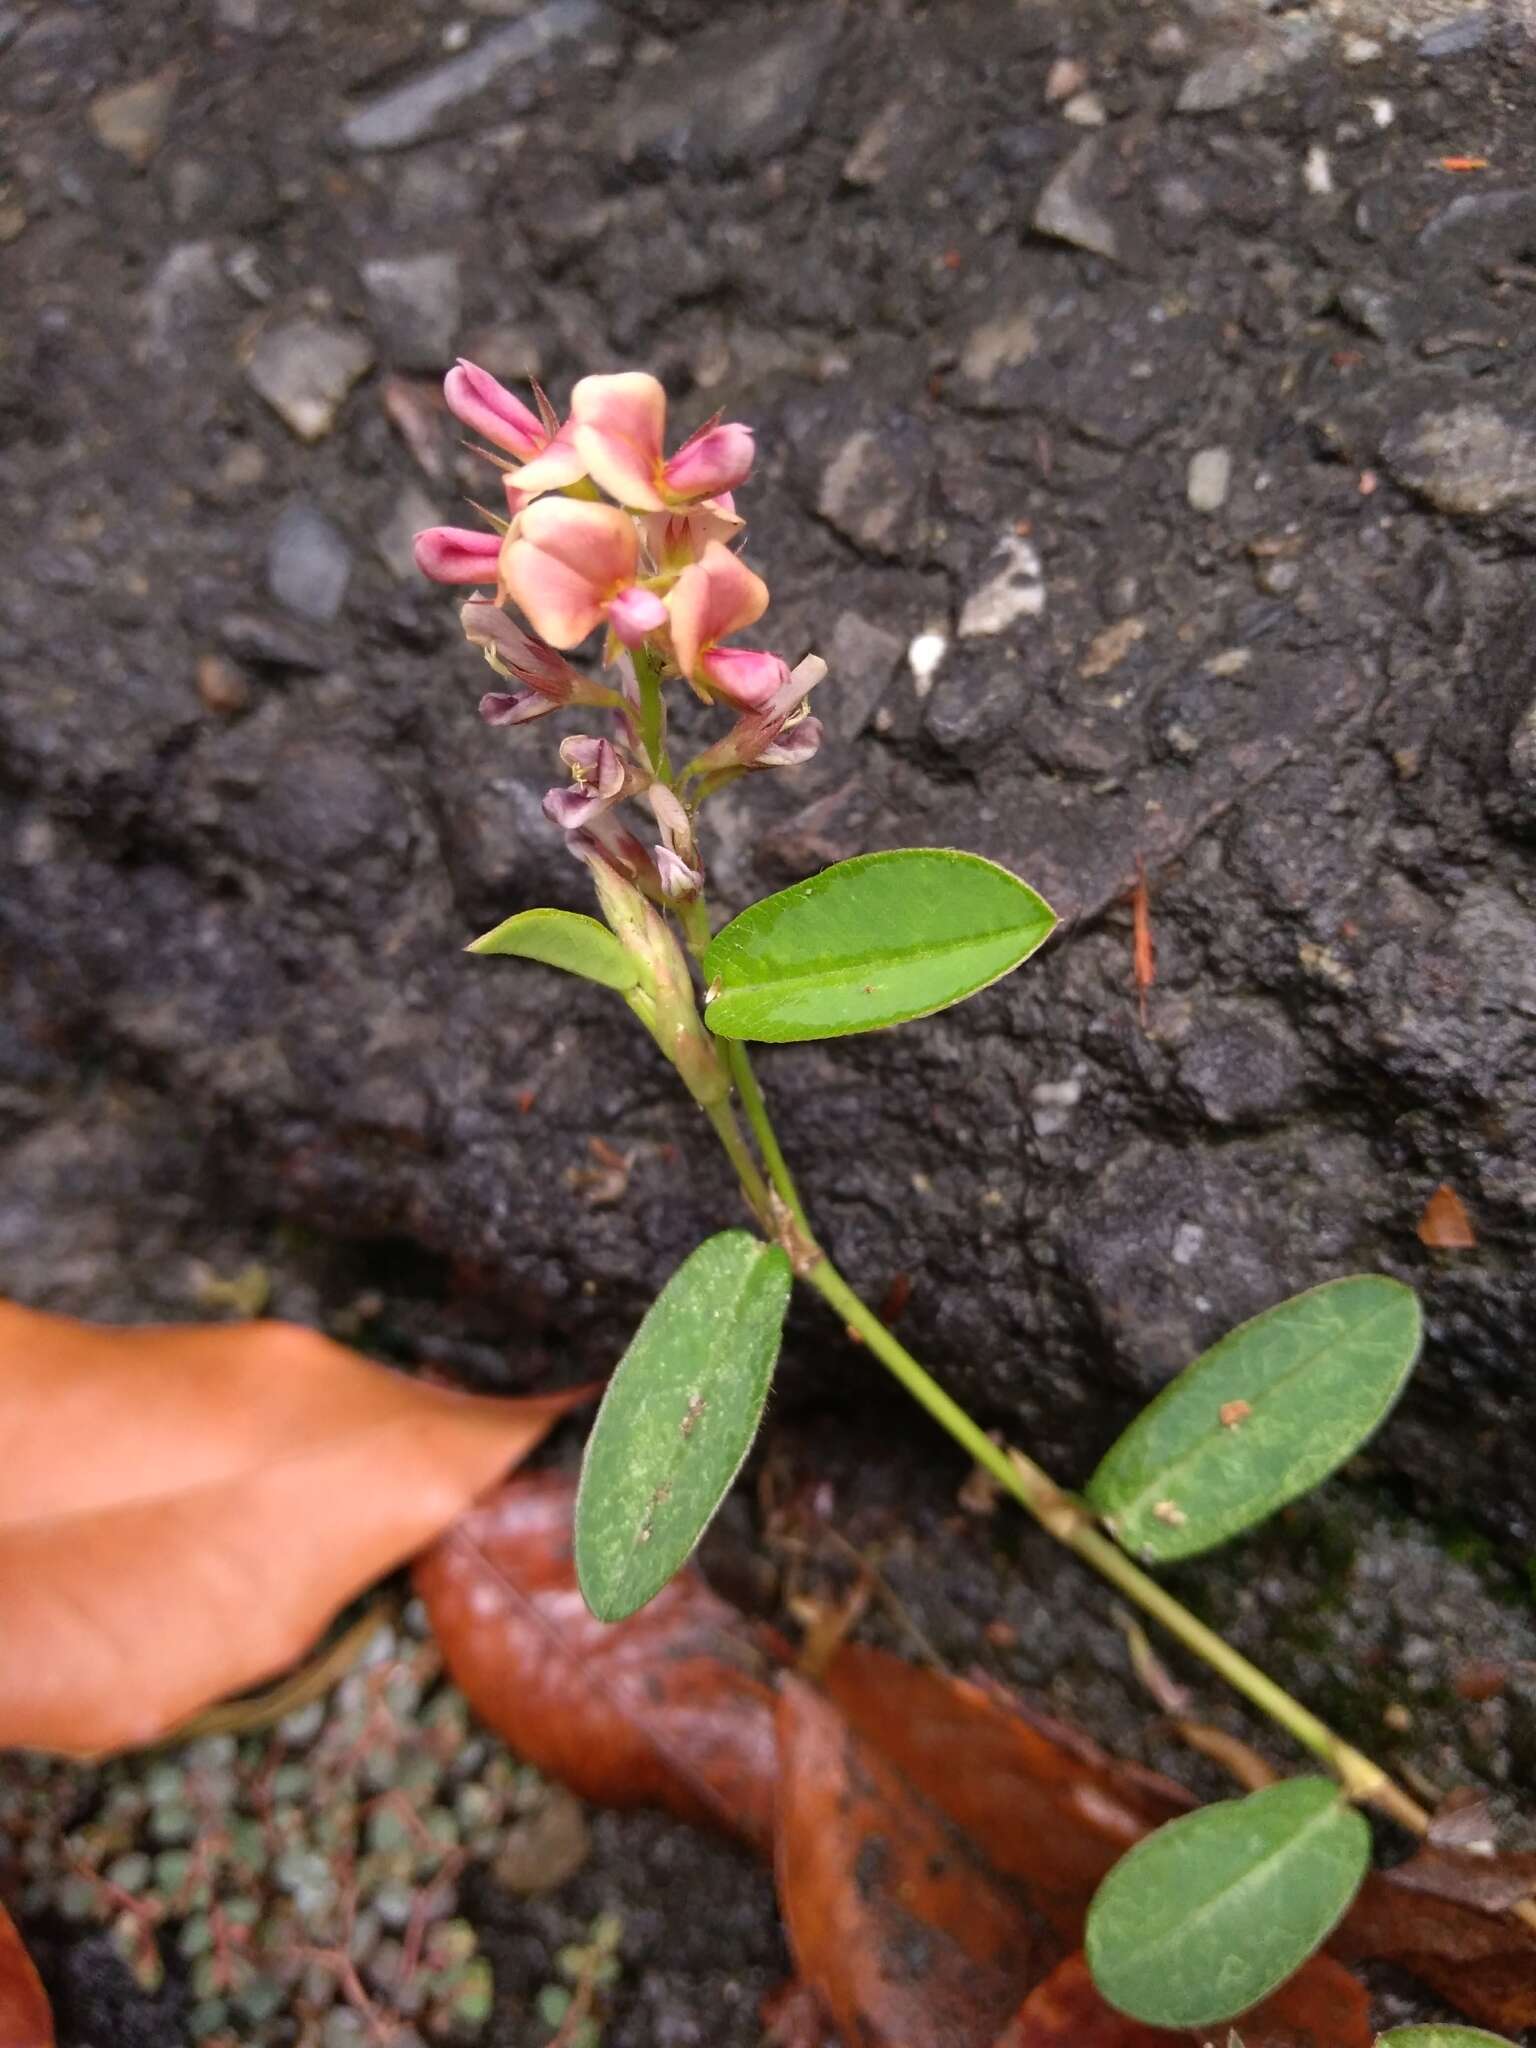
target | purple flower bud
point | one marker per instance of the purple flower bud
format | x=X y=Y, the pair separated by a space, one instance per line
x=679 y=882
x=498 y=707
x=516 y=653
x=794 y=746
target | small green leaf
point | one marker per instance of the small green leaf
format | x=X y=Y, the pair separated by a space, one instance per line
x=677 y=1420
x=561 y=938
x=1441 y=2037
x=871 y=942
x=1212 y=1913
x=1270 y=1410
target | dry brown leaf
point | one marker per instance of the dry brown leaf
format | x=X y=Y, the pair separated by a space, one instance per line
x=1322 y=2007
x=185 y=1509
x=1044 y=1804
x=672 y=1708
x=895 y=1922
x=1482 y=1963
x=1445 y=1225
x=25 y=2021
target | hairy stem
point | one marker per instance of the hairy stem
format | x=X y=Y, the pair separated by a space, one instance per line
x=728 y=1130
x=750 y=1091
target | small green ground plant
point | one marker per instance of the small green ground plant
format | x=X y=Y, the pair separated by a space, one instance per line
x=604 y=531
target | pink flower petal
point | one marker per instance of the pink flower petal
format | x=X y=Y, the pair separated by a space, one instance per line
x=749 y=679
x=718 y=595
x=489 y=408
x=710 y=463
x=456 y=554
x=619 y=422
x=563 y=561
x=634 y=613
x=556 y=466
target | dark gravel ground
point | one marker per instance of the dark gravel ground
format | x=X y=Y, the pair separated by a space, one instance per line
x=1194 y=409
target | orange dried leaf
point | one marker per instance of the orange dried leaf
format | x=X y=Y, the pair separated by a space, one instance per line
x=1043 y=1803
x=1445 y=1225
x=25 y=2021
x=185 y=1509
x=671 y=1708
x=894 y=1920
x=1463 y=163
x=1322 y=2007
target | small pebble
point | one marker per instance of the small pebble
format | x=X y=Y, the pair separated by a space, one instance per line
x=1066 y=77
x=1085 y=110
x=221 y=686
x=1210 y=479
x=1360 y=50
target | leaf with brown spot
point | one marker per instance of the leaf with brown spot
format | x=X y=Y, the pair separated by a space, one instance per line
x=1445 y=1225
x=673 y=1707
x=185 y=1509
x=1044 y=1804
x=894 y=1920
x=1321 y=2007
x=25 y=2021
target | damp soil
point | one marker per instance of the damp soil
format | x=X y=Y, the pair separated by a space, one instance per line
x=1188 y=401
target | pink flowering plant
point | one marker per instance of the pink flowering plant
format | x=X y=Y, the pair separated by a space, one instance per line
x=607 y=539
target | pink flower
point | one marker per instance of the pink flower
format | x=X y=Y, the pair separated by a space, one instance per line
x=457 y=554
x=718 y=595
x=546 y=452
x=778 y=735
x=618 y=425
x=571 y=563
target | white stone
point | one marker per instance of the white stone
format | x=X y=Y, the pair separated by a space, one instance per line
x=1015 y=590
x=1210 y=479
x=1383 y=113
x=923 y=658
x=1317 y=171
x=1187 y=1242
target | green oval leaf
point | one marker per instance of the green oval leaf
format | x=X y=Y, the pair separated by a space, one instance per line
x=1212 y=1913
x=677 y=1420
x=1266 y=1413
x=1441 y=2037
x=562 y=938
x=871 y=942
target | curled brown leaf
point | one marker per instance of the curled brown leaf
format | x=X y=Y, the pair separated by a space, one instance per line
x=672 y=1708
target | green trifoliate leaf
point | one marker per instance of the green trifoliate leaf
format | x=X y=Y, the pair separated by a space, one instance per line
x=1441 y=2037
x=1269 y=1411
x=561 y=938
x=871 y=942
x=677 y=1420
x=1212 y=1913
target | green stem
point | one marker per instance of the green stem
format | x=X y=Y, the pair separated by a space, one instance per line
x=653 y=717
x=750 y=1091
x=728 y=1130
x=1071 y=1524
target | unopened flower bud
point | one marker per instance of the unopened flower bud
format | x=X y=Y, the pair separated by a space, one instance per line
x=457 y=554
x=489 y=408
